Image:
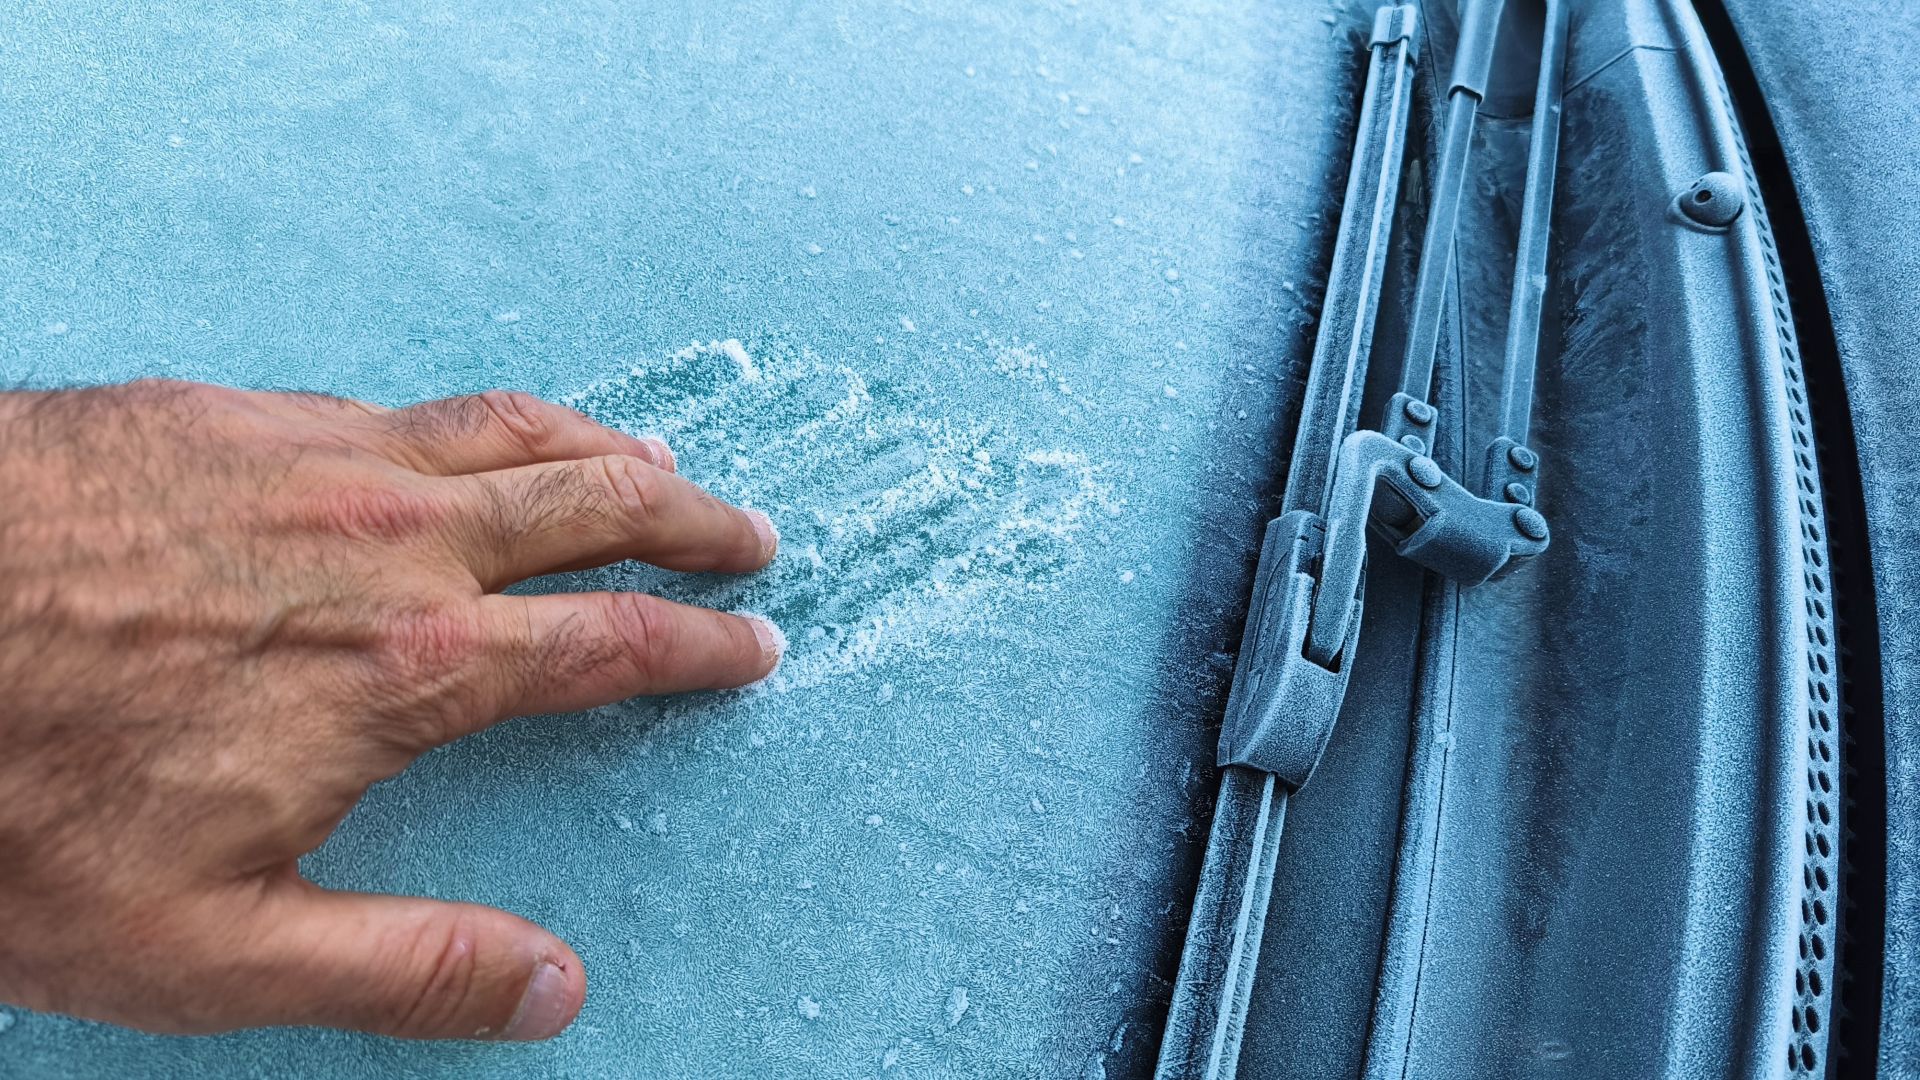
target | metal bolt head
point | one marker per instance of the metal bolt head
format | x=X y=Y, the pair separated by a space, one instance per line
x=1414 y=443
x=1425 y=472
x=1517 y=492
x=1714 y=200
x=1530 y=523
x=1418 y=411
x=1523 y=459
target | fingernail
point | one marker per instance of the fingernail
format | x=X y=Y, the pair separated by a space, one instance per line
x=773 y=643
x=660 y=453
x=763 y=528
x=544 y=1009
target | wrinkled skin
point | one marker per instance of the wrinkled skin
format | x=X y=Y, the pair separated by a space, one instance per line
x=224 y=614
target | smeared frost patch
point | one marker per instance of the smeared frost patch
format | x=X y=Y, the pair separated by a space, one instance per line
x=956 y=1005
x=901 y=527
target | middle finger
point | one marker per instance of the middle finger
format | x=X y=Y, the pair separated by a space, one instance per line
x=538 y=519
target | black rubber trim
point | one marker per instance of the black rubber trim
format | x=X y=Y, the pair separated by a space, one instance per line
x=1853 y=1043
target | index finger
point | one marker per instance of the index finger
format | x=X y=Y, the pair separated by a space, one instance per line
x=503 y=429
x=540 y=519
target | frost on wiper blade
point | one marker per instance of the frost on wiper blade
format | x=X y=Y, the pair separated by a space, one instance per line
x=1304 y=622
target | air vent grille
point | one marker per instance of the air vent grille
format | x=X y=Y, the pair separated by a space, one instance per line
x=1820 y=875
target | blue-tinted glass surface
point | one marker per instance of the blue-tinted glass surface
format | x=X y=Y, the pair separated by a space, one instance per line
x=993 y=306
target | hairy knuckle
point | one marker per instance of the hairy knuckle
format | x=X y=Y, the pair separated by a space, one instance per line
x=430 y=677
x=152 y=385
x=645 y=631
x=178 y=394
x=152 y=408
x=522 y=417
x=431 y=642
x=634 y=488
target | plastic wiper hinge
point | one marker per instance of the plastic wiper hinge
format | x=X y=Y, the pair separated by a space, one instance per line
x=1304 y=619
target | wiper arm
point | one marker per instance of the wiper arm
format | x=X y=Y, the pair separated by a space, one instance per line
x=1509 y=462
x=1208 y=1014
x=1304 y=619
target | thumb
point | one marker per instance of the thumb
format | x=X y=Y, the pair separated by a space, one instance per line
x=418 y=969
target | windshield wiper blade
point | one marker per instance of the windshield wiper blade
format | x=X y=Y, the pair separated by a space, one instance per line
x=1304 y=618
x=1207 y=1017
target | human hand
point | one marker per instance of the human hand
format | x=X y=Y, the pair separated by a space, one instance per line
x=223 y=615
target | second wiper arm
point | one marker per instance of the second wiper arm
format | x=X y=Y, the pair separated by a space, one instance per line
x=1472 y=59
